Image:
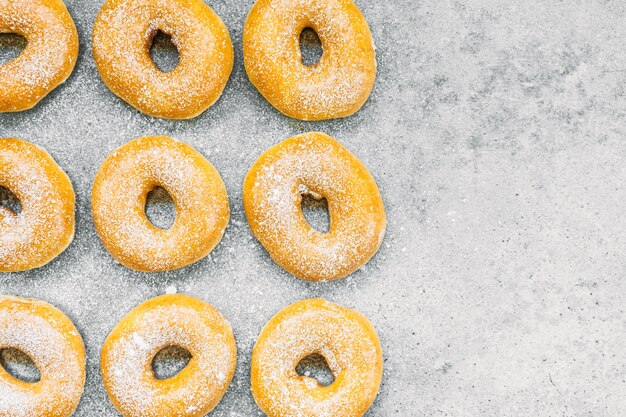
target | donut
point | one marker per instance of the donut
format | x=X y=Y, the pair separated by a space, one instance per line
x=118 y=203
x=347 y=341
x=338 y=85
x=316 y=165
x=50 y=339
x=164 y=321
x=45 y=225
x=49 y=57
x=122 y=36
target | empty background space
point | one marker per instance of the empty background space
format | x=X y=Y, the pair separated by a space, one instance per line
x=497 y=134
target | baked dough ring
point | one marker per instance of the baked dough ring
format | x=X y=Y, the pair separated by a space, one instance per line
x=45 y=226
x=119 y=198
x=338 y=85
x=50 y=339
x=49 y=56
x=122 y=36
x=317 y=165
x=169 y=320
x=344 y=337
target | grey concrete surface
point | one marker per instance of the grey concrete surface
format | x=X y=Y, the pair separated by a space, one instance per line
x=496 y=133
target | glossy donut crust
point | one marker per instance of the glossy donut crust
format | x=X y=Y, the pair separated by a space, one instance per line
x=344 y=337
x=338 y=85
x=45 y=226
x=50 y=339
x=119 y=198
x=169 y=320
x=49 y=56
x=122 y=36
x=314 y=164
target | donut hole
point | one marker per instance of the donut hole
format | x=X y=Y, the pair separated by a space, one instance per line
x=315 y=211
x=9 y=200
x=315 y=366
x=170 y=361
x=11 y=46
x=19 y=365
x=164 y=52
x=160 y=208
x=311 y=48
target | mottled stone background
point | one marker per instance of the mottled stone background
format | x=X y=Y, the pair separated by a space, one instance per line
x=496 y=132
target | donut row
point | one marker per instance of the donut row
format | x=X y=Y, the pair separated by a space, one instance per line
x=336 y=86
x=344 y=337
x=311 y=164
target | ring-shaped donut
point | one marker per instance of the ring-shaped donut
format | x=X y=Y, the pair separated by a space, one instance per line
x=47 y=60
x=169 y=320
x=50 y=339
x=314 y=164
x=338 y=85
x=347 y=341
x=122 y=36
x=45 y=225
x=118 y=203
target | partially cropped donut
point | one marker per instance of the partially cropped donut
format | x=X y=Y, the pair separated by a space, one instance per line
x=316 y=165
x=347 y=341
x=164 y=321
x=50 y=339
x=118 y=203
x=49 y=56
x=122 y=36
x=338 y=85
x=45 y=225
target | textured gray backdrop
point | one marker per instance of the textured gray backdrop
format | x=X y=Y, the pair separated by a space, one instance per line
x=496 y=133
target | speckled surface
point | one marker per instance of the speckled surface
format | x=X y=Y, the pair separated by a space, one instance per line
x=496 y=133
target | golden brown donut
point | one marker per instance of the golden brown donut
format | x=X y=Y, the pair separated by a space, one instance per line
x=314 y=164
x=122 y=36
x=50 y=339
x=49 y=56
x=344 y=337
x=118 y=203
x=169 y=320
x=338 y=85
x=45 y=226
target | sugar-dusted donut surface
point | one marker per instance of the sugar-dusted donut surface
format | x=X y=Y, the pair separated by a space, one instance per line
x=169 y=320
x=45 y=225
x=119 y=195
x=314 y=164
x=122 y=35
x=49 y=56
x=344 y=337
x=338 y=85
x=50 y=339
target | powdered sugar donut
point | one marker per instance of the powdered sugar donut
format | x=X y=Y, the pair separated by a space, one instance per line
x=50 y=339
x=45 y=226
x=122 y=35
x=338 y=85
x=344 y=337
x=314 y=164
x=169 y=320
x=118 y=201
x=47 y=60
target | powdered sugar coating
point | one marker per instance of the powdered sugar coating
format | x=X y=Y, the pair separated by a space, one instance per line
x=45 y=226
x=50 y=339
x=122 y=35
x=164 y=321
x=338 y=85
x=47 y=60
x=344 y=337
x=119 y=198
x=317 y=165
